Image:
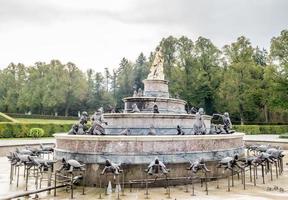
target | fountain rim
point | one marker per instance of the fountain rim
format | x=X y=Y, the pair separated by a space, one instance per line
x=156 y=99
x=146 y=137
x=154 y=115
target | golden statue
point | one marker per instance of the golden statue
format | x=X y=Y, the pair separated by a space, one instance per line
x=156 y=71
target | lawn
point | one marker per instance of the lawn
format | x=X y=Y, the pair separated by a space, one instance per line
x=56 y=121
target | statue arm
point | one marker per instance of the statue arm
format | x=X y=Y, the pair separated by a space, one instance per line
x=230 y=124
x=103 y=120
x=150 y=165
x=162 y=164
x=219 y=115
x=104 y=170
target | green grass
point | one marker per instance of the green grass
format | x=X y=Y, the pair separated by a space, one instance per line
x=54 y=121
x=26 y=138
x=6 y=118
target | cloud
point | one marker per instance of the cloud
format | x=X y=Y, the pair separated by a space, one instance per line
x=99 y=33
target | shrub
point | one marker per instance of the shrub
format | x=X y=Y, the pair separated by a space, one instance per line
x=285 y=136
x=36 y=132
x=261 y=129
x=18 y=130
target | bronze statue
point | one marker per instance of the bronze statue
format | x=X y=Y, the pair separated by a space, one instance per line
x=198 y=165
x=152 y=130
x=180 y=131
x=135 y=94
x=199 y=126
x=263 y=148
x=275 y=153
x=230 y=162
x=71 y=165
x=227 y=125
x=46 y=148
x=111 y=167
x=193 y=110
x=156 y=167
x=41 y=163
x=135 y=108
x=140 y=93
x=126 y=131
x=97 y=123
x=155 y=109
x=80 y=127
x=23 y=151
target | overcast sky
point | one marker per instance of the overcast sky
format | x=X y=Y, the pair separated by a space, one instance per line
x=97 y=34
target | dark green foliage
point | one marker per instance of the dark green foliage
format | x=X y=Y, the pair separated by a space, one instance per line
x=18 y=130
x=261 y=129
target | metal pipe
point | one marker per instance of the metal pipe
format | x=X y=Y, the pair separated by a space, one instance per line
x=263 y=174
x=24 y=194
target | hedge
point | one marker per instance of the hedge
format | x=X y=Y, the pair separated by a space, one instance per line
x=18 y=130
x=36 y=116
x=285 y=136
x=261 y=129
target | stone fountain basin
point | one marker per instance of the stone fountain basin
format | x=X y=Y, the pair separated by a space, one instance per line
x=143 y=149
x=139 y=123
x=136 y=152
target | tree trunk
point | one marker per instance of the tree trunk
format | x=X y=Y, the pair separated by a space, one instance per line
x=266 y=114
x=67 y=109
x=241 y=109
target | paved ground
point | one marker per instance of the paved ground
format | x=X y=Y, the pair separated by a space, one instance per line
x=7 y=142
x=258 y=192
x=252 y=192
x=266 y=138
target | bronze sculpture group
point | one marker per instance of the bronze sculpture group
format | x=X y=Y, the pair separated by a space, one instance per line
x=199 y=126
x=97 y=121
x=264 y=156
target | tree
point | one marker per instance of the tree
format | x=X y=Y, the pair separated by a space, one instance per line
x=279 y=53
x=75 y=86
x=168 y=46
x=140 y=71
x=125 y=81
x=12 y=80
x=208 y=72
x=241 y=79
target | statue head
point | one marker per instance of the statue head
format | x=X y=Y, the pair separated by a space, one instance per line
x=107 y=162
x=63 y=160
x=201 y=161
x=100 y=110
x=201 y=111
x=156 y=161
x=226 y=114
x=85 y=113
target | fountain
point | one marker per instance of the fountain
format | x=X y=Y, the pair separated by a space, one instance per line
x=152 y=120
